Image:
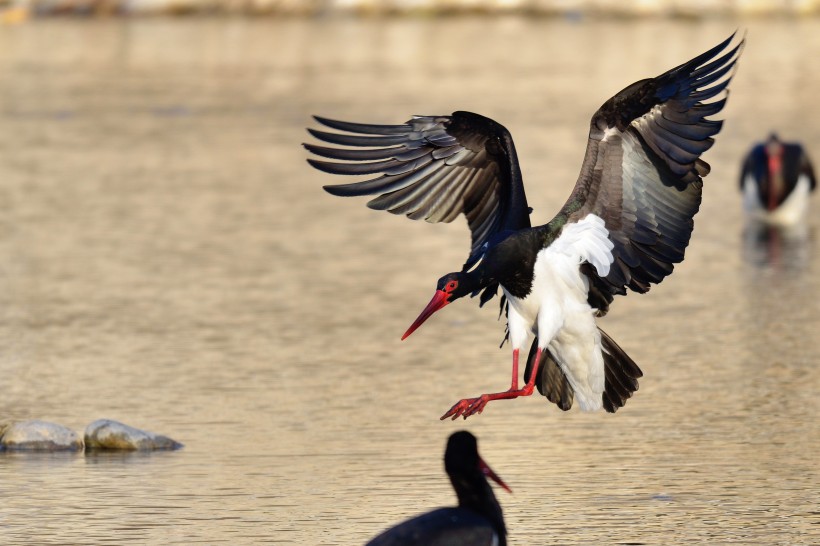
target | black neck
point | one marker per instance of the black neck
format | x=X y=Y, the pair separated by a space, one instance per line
x=512 y=260
x=475 y=494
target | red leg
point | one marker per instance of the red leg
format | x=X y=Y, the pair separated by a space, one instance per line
x=472 y=406
x=514 y=384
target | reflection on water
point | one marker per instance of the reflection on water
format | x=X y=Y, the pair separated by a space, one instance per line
x=783 y=247
x=168 y=259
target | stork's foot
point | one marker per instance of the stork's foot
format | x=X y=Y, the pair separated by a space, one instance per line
x=467 y=407
x=472 y=406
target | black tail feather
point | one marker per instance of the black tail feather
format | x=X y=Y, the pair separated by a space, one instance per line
x=551 y=381
x=621 y=374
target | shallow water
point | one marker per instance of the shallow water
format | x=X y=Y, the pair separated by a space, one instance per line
x=168 y=259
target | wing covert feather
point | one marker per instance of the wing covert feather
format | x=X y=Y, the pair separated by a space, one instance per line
x=642 y=169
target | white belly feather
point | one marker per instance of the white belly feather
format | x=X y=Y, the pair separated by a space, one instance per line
x=556 y=310
x=791 y=211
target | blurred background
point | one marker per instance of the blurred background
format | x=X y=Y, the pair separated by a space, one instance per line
x=168 y=259
x=606 y=8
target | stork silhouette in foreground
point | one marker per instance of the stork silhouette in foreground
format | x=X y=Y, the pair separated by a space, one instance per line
x=476 y=521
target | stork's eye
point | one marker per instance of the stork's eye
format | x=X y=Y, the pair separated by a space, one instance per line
x=452 y=285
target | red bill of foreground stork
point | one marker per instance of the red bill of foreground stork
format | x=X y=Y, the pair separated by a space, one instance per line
x=627 y=221
x=476 y=521
x=776 y=181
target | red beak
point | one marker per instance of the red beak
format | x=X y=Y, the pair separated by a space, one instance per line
x=492 y=475
x=439 y=300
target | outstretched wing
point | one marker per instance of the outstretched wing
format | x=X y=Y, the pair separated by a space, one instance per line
x=642 y=170
x=432 y=168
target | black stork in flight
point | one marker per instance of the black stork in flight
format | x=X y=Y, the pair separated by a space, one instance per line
x=477 y=521
x=627 y=221
x=776 y=181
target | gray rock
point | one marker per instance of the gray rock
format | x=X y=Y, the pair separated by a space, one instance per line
x=36 y=435
x=108 y=434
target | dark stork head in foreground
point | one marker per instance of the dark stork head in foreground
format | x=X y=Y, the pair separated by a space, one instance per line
x=476 y=521
x=626 y=223
x=776 y=181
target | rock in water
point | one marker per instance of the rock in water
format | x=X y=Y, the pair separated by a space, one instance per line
x=36 y=435
x=108 y=434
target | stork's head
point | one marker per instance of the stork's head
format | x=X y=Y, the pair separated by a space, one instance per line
x=449 y=288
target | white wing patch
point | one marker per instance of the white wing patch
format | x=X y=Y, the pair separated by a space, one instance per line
x=587 y=241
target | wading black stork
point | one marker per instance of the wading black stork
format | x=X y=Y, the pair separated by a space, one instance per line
x=477 y=521
x=627 y=221
x=776 y=181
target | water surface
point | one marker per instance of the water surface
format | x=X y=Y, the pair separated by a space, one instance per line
x=168 y=259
